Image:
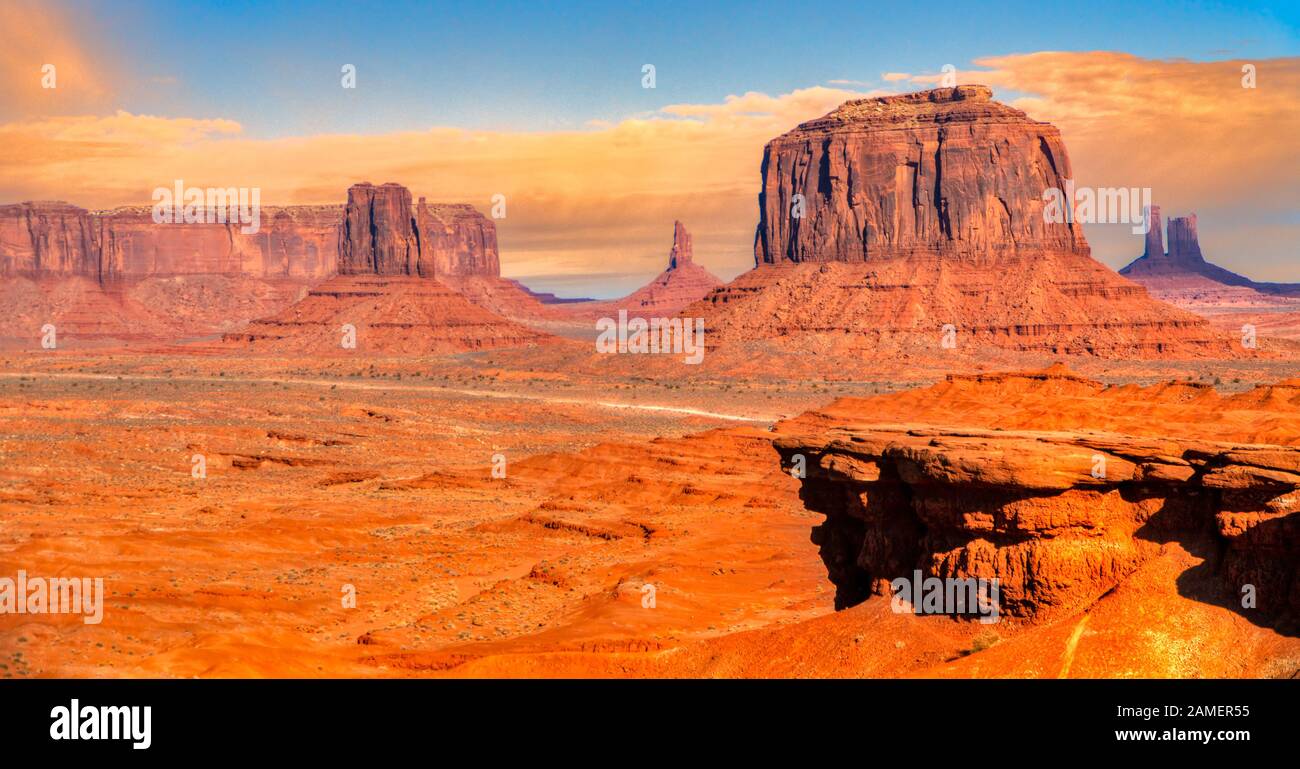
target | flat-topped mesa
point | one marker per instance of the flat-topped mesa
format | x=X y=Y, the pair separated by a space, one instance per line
x=946 y=172
x=1183 y=245
x=47 y=237
x=683 y=250
x=377 y=232
x=455 y=239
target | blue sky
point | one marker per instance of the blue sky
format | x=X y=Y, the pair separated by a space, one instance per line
x=535 y=66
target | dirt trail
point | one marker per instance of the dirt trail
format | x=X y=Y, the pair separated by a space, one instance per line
x=683 y=410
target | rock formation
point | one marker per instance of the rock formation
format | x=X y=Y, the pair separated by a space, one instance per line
x=680 y=284
x=1183 y=243
x=1059 y=516
x=377 y=236
x=388 y=292
x=943 y=172
x=1184 y=278
x=683 y=250
x=456 y=240
x=118 y=275
x=389 y=315
x=1155 y=234
x=383 y=234
x=891 y=219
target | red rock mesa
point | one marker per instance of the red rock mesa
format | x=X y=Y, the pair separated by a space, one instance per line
x=891 y=218
x=119 y=276
x=387 y=298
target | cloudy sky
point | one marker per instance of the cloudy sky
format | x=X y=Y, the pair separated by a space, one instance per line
x=546 y=105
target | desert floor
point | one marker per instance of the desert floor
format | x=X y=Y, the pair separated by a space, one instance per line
x=326 y=479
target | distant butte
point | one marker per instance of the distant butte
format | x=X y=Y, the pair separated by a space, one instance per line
x=1182 y=277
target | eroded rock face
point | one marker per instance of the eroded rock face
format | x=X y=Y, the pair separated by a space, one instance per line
x=947 y=171
x=1058 y=517
x=890 y=223
x=1155 y=234
x=377 y=236
x=683 y=251
x=456 y=240
x=44 y=240
x=100 y=276
x=379 y=231
x=382 y=234
x=51 y=238
x=1184 y=246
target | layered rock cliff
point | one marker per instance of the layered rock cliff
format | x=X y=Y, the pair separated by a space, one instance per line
x=378 y=231
x=1059 y=515
x=118 y=275
x=914 y=224
x=947 y=171
x=41 y=240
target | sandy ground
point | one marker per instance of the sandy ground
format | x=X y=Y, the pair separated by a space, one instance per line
x=643 y=528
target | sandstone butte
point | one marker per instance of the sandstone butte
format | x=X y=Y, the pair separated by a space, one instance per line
x=682 y=282
x=1183 y=277
x=116 y=275
x=925 y=210
x=387 y=295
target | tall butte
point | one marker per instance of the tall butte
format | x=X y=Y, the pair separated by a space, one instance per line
x=388 y=292
x=904 y=222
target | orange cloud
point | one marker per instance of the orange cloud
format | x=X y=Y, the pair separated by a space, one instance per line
x=601 y=199
x=1188 y=130
x=35 y=34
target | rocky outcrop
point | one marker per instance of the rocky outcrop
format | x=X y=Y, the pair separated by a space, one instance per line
x=1184 y=256
x=51 y=240
x=378 y=231
x=1183 y=243
x=48 y=238
x=1059 y=517
x=383 y=234
x=683 y=248
x=456 y=240
x=377 y=236
x=912 y=224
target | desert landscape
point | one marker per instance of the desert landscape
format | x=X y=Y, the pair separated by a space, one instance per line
x=353 y=439
x=500 y=500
